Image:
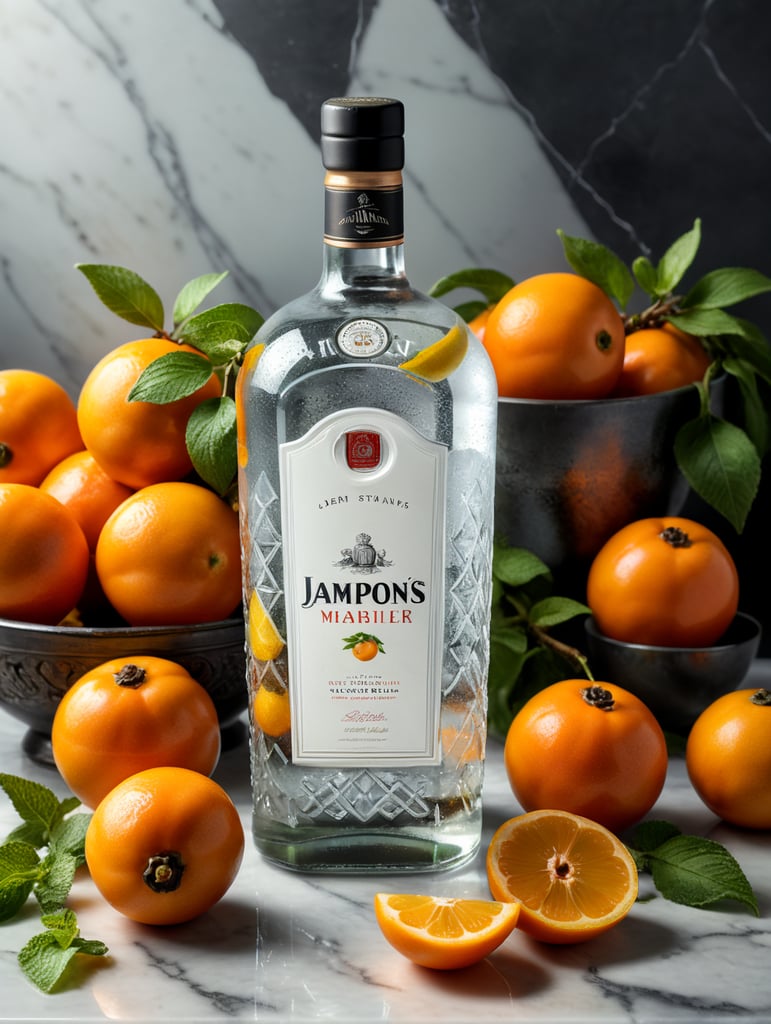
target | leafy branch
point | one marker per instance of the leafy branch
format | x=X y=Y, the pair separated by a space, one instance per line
x=720 y=460
x=46 y=827
x=219 y=335
x=525 y=656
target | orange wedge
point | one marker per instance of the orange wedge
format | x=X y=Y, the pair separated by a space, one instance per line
x=441 y=932
x=573 y=878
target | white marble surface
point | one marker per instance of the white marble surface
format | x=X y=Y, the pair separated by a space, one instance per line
x=293 y=948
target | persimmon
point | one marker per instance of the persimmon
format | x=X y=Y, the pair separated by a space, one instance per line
x=555 y=336
x=666 y=581
x=38 y=426
x=43 y=556
x=592 y=749
x=728 y=757
x=129 y=714
x=660 y=359
x=164 y=845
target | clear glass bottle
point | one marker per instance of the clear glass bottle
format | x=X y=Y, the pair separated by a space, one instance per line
x=366 y=419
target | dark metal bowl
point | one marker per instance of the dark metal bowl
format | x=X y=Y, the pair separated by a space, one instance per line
x=676 y=683
x=39 y=663
x=570 y=474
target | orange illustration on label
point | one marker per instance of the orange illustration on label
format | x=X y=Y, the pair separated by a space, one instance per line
x=364 y=646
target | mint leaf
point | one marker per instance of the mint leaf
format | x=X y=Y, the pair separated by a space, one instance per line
x=125 y=293
x=170 y=377
x=38 y=807
x=230 y=321
x=697 y=872
x=726 y=287
x=517 y=566
x=211 y=442
x=678 y=258
x=551 y=611
x=58 y=873
x=721 y=464
x=19 y=870
x=598 y=264
x=646 y=275
x=192 y=295
x=46 y=957
x=491 y=283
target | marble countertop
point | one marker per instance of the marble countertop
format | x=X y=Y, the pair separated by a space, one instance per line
x=293 y=948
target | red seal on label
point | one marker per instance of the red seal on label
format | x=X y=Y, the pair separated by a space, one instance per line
x=363 y=449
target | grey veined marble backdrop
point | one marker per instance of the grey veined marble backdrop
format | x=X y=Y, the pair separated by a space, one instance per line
x=177 y=137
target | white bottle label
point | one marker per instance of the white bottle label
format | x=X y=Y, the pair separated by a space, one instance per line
x=363 y=509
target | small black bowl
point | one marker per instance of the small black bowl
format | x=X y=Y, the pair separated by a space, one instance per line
x=676 y=683
x=39 y=663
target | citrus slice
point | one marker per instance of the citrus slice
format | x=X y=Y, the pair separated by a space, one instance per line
x=264 y=638
x=573 y=878
x=442 y=932
x=440 y=359
x=271 y=711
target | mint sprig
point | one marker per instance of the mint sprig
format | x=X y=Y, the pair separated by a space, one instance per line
x=48 y=826
x=690 y=870
x=220 y=336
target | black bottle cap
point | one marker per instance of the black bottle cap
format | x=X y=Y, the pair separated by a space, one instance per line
x=362 y=133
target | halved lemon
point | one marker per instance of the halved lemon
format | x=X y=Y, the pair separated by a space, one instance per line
x=440 y=359
x=264 y=639
x=442 y=932
x=573 y=878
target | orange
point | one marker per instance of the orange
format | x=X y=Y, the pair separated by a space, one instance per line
x=665 y=581
x=80 y=483
x=272 y=712
x=130 y=714
x=555 y=336
x=660 y=359
x=591 y=749
x=165 y=845
x=442 y=932
x=137 y=443
x=43 y=556
x=728 y=757
x=38 y=426
x=169 y=555
x=573 y=878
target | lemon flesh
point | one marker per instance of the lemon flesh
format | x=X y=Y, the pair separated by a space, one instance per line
x=264 y=638
x=440 y=359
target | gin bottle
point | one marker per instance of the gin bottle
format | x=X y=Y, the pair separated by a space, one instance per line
x=366 y=420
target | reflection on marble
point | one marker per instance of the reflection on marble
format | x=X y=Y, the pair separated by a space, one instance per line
x=292 y=948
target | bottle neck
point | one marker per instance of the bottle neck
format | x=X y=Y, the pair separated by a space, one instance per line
x=363 y=230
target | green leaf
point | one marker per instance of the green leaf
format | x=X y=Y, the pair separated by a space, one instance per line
x=697 y=872
x=69 y=836
x=211 y=442
x=552 y=611
x=601 y=266
x=678 y=258
x=193 y=293
x=491 y=283
x=755 y=351
x=231 y=321
x=726 y=287
x=125 y=293
x=35 y=804
x=756 y=417
x=53 y=888
x=721 y=464
x=46 y=957
x=708 y=322
x=513 y=638
x=170 y=377
x=19 y=870
x=517 y=566
x=468 y=310
x=646 y=275
x=652 y=833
